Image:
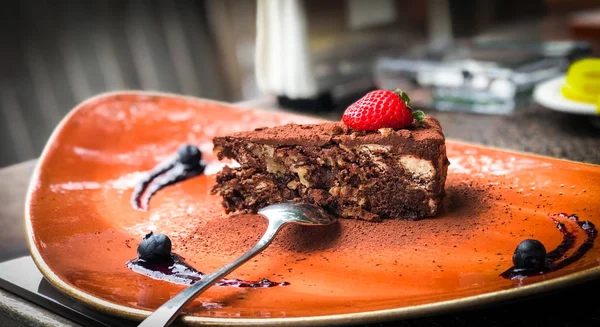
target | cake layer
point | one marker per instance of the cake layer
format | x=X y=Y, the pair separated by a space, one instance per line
x=366 y=175
x=421 y=139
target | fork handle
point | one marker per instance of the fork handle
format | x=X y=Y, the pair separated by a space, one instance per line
x=168 y=312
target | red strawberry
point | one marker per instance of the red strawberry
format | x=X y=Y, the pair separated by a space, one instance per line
x=381 y=109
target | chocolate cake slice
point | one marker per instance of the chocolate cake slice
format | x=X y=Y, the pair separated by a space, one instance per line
x=368 y=175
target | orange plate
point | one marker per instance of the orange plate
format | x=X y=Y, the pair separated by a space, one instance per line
x=82 y=228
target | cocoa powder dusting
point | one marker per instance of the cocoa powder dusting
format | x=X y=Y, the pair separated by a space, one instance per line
x=336 y=132
x=235 y=234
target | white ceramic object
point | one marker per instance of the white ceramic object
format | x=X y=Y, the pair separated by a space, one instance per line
x=283 y=62
x=548 y=94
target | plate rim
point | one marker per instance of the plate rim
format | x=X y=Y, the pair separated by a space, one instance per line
x=355 y=317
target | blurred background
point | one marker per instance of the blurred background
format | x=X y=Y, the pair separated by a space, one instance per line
x=56 y=54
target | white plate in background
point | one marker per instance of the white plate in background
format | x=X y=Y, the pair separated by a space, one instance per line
x=548 y=94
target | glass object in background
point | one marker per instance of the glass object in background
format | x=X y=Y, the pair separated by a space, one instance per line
x=491 y=77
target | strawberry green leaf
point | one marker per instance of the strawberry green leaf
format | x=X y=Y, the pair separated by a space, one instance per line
x=418 y=115
x=403 y=96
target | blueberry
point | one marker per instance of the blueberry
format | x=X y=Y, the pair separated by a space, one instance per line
x=189 y=155
x=530 y=255
x=154 y=247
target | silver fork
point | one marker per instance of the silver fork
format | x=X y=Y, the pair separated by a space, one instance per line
x=279 y=215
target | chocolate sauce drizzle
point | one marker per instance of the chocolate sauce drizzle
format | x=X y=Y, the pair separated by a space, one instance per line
x=176 y=270
x=568 y=242
x=185 y=164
